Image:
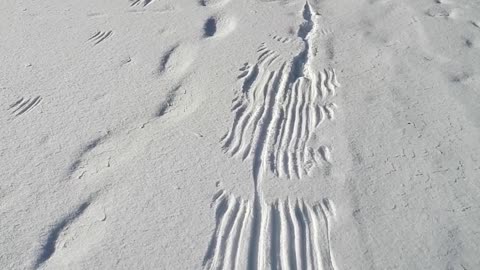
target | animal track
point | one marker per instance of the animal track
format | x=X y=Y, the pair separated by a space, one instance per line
x=178 y=102
x=177 y=60
x=218 y=26
x=292 y=235
x=174 y=64
x=210 y=27
x=168 y=102
x=76 y=165
x=49 y=247
x=100 y=36
x=23 y=105
x=166 y=58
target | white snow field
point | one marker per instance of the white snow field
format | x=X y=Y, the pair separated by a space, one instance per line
x=240 y=134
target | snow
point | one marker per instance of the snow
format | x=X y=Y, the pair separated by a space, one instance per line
x=255 y=134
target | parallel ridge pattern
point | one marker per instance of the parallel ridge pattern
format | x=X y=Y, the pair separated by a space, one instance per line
x=277 y=112
x=24 y=105
x=282 y=114
x=100 y=36
x=140 y=2
x=293 y=235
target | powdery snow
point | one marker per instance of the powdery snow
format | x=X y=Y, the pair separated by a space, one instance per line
x=247 y=134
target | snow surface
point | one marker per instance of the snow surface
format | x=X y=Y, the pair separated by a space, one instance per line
x=240 y=134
